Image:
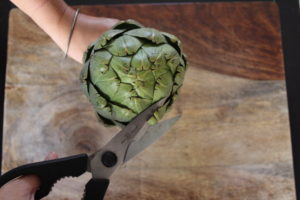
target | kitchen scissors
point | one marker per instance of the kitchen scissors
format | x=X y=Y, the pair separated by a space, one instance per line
x=130 y=141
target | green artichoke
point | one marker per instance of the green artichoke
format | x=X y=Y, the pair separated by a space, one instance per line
x=129 y=68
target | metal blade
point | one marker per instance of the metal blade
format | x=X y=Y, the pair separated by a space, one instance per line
x=152 y=134
x=115 y=150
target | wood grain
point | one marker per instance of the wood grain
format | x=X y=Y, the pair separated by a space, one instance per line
x=231 y=143
x=240 y=39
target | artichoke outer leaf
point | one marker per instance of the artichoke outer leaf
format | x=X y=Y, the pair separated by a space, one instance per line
x=124 y=45
x=121 y=67
x=124 y=94
x=145 y=83
x=107 y=83
x=87 y=53
x=140 y=61
x=160 y=71
x=97 y=76
x=140 y=104
x=152 y=121
x=122 y=114
x=105 y=121
x=153 y=52
x=100 y=104
x=84 y=87
x=148 y=33
x=171 y=37
x=170 y=51
x=160 y=111
x=158 y=115
x=83 y=78
x=127 y=24
x=175 y=42
x=147 y=76
x=165 y=79
x=160 y=60
x=145 y=89
x=100 y=60
x=173 y=64
x=163 y=86
x=109 y=88
x=84 y=71
x=121 y=64
x=179 y=76
x=107 y=36
x=184 y=60
x=172 y=56
x=160 y=92
x=175 y=88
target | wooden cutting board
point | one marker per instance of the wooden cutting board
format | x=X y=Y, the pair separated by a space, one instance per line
x=233 y=140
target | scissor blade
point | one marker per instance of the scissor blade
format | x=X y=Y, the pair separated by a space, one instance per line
x=152 y=134
x=129 y=132
x=116 y=148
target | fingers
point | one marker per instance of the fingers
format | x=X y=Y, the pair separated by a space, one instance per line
x=51 y=156
x=23 y=188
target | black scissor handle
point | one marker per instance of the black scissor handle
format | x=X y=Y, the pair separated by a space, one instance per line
x=49 y=172
x=95 y=189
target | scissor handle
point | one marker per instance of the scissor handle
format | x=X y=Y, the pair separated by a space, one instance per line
x=95 y=189
x=49 y=172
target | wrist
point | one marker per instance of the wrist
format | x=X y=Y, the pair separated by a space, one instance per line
x=87 y=30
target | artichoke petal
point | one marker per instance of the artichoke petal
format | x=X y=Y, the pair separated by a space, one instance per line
x=83 y=78
x=171 y=37
x=139 y=104
x=174 y=41
x=105 y=121
x=148 y=33
x=155 y=55
x=127 y=24
x=179 y=76
x=124 y=94
x=145 y=83
x=87 y=53
x=160 y=112
x=140 y=61
x=158 y=115
x=107 y=36
x=107 y=83
x=144 y=89
x=99 y=102
x=122 y=114
x=163 y=86
x=121 y=66
x=126 y=45
x=100 y=60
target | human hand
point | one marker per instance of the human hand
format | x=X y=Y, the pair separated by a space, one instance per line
x=55 y=18
x=22 y=188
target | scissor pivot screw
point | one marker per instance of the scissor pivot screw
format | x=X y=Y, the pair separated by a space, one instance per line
x=109 y=159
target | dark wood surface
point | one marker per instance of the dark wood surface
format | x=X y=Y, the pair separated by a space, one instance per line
x=240 y=39
x=232 y=141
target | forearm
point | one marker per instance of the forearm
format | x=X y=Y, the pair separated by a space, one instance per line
x=55 y=18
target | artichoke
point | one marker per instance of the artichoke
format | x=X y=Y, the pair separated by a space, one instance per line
x=129 y=68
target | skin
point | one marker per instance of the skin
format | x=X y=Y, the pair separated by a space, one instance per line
x=23 y=188
x=55 y=18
